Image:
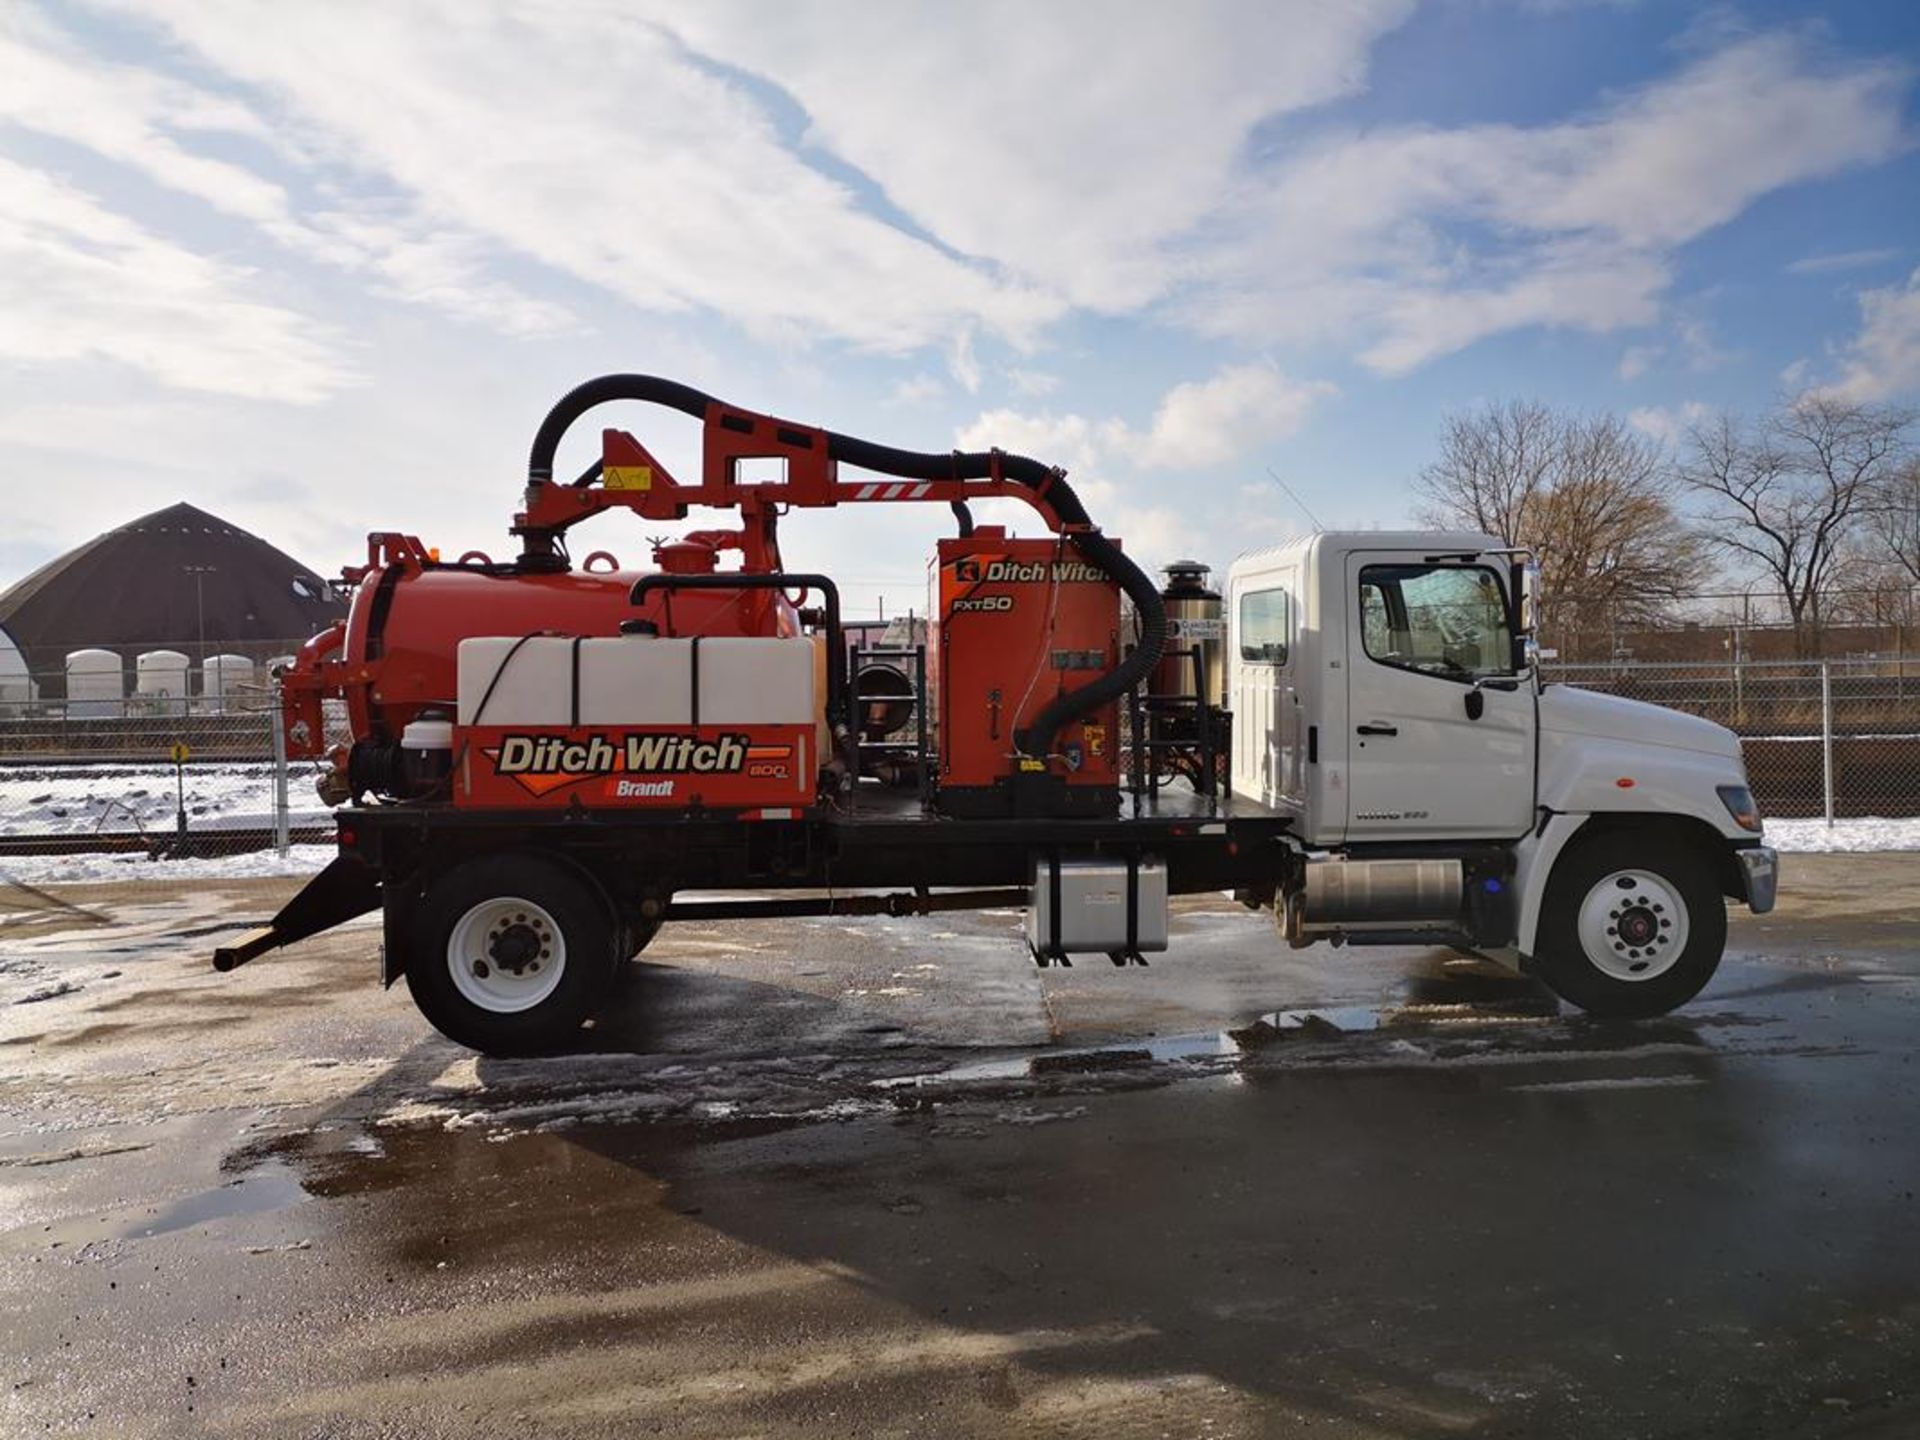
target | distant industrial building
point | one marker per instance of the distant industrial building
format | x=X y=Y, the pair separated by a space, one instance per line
x=175 y=603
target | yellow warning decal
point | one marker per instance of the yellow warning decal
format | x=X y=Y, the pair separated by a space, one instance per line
x=627 y=477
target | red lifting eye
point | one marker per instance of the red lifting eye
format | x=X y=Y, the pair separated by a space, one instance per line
x=1624 y=782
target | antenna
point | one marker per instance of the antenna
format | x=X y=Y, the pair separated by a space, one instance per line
x=1274 y=476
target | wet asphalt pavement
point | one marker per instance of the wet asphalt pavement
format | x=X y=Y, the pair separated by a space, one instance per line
x=885 y=1178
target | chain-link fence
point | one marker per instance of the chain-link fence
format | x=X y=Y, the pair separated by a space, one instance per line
x=1823 y=738
x=96 y=779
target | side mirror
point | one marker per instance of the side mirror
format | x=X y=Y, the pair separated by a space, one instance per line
x=1525 y=582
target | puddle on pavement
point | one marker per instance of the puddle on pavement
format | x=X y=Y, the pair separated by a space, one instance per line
x=717 y=1097
x=1166 y=1058
x=272 y=1186
x=264 y=1187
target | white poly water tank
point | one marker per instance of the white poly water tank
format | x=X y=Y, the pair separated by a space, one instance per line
x=635 y=680
x=16 y=681
x=96 y=684
x=160 y=682
x=226 y=681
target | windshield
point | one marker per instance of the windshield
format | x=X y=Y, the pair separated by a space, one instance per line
x=1447 y=620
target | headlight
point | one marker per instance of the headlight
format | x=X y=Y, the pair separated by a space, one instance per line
x=1739 y=802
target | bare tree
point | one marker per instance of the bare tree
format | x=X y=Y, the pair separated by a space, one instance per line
x=1788 y=494
x=1893 y=521
x=1493 y=465
x=1591 y=495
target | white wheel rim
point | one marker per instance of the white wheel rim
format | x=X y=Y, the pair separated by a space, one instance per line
x=1633 y=925
x=506 y=955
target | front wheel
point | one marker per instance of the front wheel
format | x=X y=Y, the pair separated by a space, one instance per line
x=511 y=953
x=1633 y=925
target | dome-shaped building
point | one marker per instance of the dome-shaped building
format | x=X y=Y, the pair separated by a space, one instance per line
x=178 y=579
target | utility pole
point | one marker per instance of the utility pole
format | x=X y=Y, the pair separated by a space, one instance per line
x=200 y=573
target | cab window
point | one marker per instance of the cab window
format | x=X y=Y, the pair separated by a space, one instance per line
x=1263 y=627
x=1448 y=620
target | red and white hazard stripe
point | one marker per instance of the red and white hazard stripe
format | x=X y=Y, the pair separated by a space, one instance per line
x=894 y=490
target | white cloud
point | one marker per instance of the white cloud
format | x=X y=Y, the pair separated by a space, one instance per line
x=636 y=148
x=961 y=363
x=1636 y=360
x=81 y=283
x=1422 y=240
x=1078 y=445
x=125 y=114
x=445 y=268
x=1667 y=424
x=1827 y=264
x=1692 y=340
x=1882 y=361
x=131 y=116
x=1197 y=425
x=918 y=389
x=1698 y=345
x=1204 y=423
x=1070 y=142
x=1032 y=382
x=586 y=139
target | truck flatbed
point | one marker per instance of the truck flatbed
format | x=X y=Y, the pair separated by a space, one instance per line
x=885 y=837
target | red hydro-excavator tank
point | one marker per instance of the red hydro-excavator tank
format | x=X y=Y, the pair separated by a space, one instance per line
x=1046 y=748
x=394 y=659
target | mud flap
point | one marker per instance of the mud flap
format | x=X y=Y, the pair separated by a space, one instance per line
x=347 y=888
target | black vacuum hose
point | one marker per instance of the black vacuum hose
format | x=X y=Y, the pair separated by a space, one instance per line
x=582 y=398
x=1035 y=739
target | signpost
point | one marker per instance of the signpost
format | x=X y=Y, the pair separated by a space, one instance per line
x=179 y=754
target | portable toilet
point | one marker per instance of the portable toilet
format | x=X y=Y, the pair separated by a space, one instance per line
x=225 y=681
x=160 y=682
x=96 y=684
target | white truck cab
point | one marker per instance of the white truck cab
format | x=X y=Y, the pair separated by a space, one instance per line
x=1384 y=694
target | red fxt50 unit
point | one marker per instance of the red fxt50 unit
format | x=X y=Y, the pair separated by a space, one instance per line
x=1017 y=623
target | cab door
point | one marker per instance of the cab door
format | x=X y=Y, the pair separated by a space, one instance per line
x=1267 y=759
x=1442 y=729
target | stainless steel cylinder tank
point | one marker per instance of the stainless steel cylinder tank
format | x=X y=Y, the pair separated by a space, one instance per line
x=1194 y=619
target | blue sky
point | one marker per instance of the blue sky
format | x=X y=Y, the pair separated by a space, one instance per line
x=321 y=268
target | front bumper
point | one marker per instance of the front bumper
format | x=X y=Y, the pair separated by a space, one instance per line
x=1760 y=870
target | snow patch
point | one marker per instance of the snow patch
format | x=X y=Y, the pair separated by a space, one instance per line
x=114 y=798
x=1868 y=833
x=93 y=869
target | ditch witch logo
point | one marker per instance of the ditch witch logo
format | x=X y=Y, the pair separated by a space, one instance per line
x=544 y=763
x=989 y=571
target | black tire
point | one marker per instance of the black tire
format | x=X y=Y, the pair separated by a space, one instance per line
x=550 y=901
x=1563 y=960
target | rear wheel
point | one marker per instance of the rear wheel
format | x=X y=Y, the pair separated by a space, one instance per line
x=1633 y=925
x=511 y=953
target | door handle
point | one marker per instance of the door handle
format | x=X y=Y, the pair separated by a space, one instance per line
x=1378 y=729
